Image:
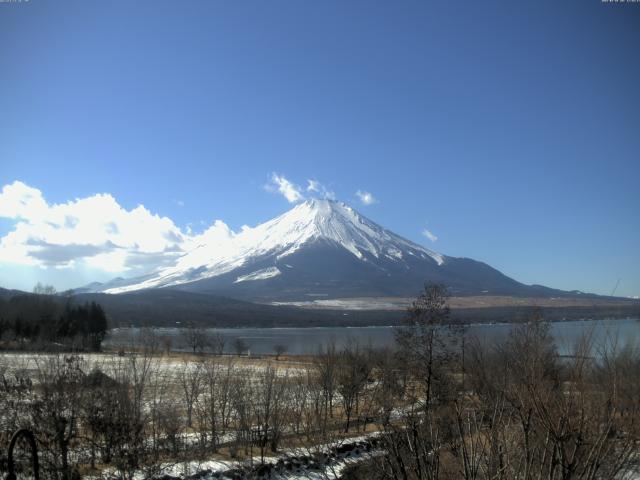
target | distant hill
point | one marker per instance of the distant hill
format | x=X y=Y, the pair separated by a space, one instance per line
x=6 y=294
x=165 y=307
x=173 y=308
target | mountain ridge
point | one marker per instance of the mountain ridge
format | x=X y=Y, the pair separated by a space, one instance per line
x=320 y=248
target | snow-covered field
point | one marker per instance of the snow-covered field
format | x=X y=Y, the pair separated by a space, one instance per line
x=27 y=364
x=373 y=303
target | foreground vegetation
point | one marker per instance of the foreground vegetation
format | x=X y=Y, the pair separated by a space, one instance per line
x=444 y=406
x=512 y=410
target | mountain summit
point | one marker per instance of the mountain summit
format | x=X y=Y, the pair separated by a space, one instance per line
x=319 y=249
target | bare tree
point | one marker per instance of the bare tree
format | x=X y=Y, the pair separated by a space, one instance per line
x=425 y=341
x=56 y=409
x=313 y=416
x=279 y=349
x=135 y=371
x=353 y=372
x=195 y=337
x=190 y=381
x=217 y=342
x=415 y=441
x=390 y=387
x=160 y=402
x=326 y=364
x=149 y=340
x=41 y=289
x=241 y=397
x=214 y=399
x=240 y=346
x=270 y=408
x=167 y=344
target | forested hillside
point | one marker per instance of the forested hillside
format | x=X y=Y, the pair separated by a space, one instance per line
x=45 y=321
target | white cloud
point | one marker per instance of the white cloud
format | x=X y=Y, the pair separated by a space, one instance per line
x=290 y=191
x=431 y=236
x=366 y=198
x=314 y=186
x=96 y=234
x=93 y=232
x=295 y=193
x=20 y=201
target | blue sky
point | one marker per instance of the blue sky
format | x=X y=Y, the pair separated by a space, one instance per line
x=510 y=130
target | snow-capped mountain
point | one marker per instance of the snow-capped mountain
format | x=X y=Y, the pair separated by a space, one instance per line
x=318 y=249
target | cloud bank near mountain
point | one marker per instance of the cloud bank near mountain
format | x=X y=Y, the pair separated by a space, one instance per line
x=95 y=231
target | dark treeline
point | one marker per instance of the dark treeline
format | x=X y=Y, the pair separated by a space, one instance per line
x=42 y=320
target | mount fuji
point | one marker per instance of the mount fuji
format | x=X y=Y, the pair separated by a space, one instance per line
x=320 y=249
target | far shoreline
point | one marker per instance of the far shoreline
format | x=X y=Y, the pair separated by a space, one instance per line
x=398 y=325
x=316 y=318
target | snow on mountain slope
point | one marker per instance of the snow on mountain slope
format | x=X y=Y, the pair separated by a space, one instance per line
x=262 y=274
x=305 y=224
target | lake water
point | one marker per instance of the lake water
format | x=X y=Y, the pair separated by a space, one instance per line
x=309 y=340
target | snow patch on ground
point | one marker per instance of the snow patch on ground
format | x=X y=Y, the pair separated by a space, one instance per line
x=364 y=303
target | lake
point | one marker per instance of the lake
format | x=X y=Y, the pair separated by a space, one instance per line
x=301 y=341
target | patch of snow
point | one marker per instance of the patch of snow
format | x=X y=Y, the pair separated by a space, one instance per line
x=259 y=275
x=361 y=303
